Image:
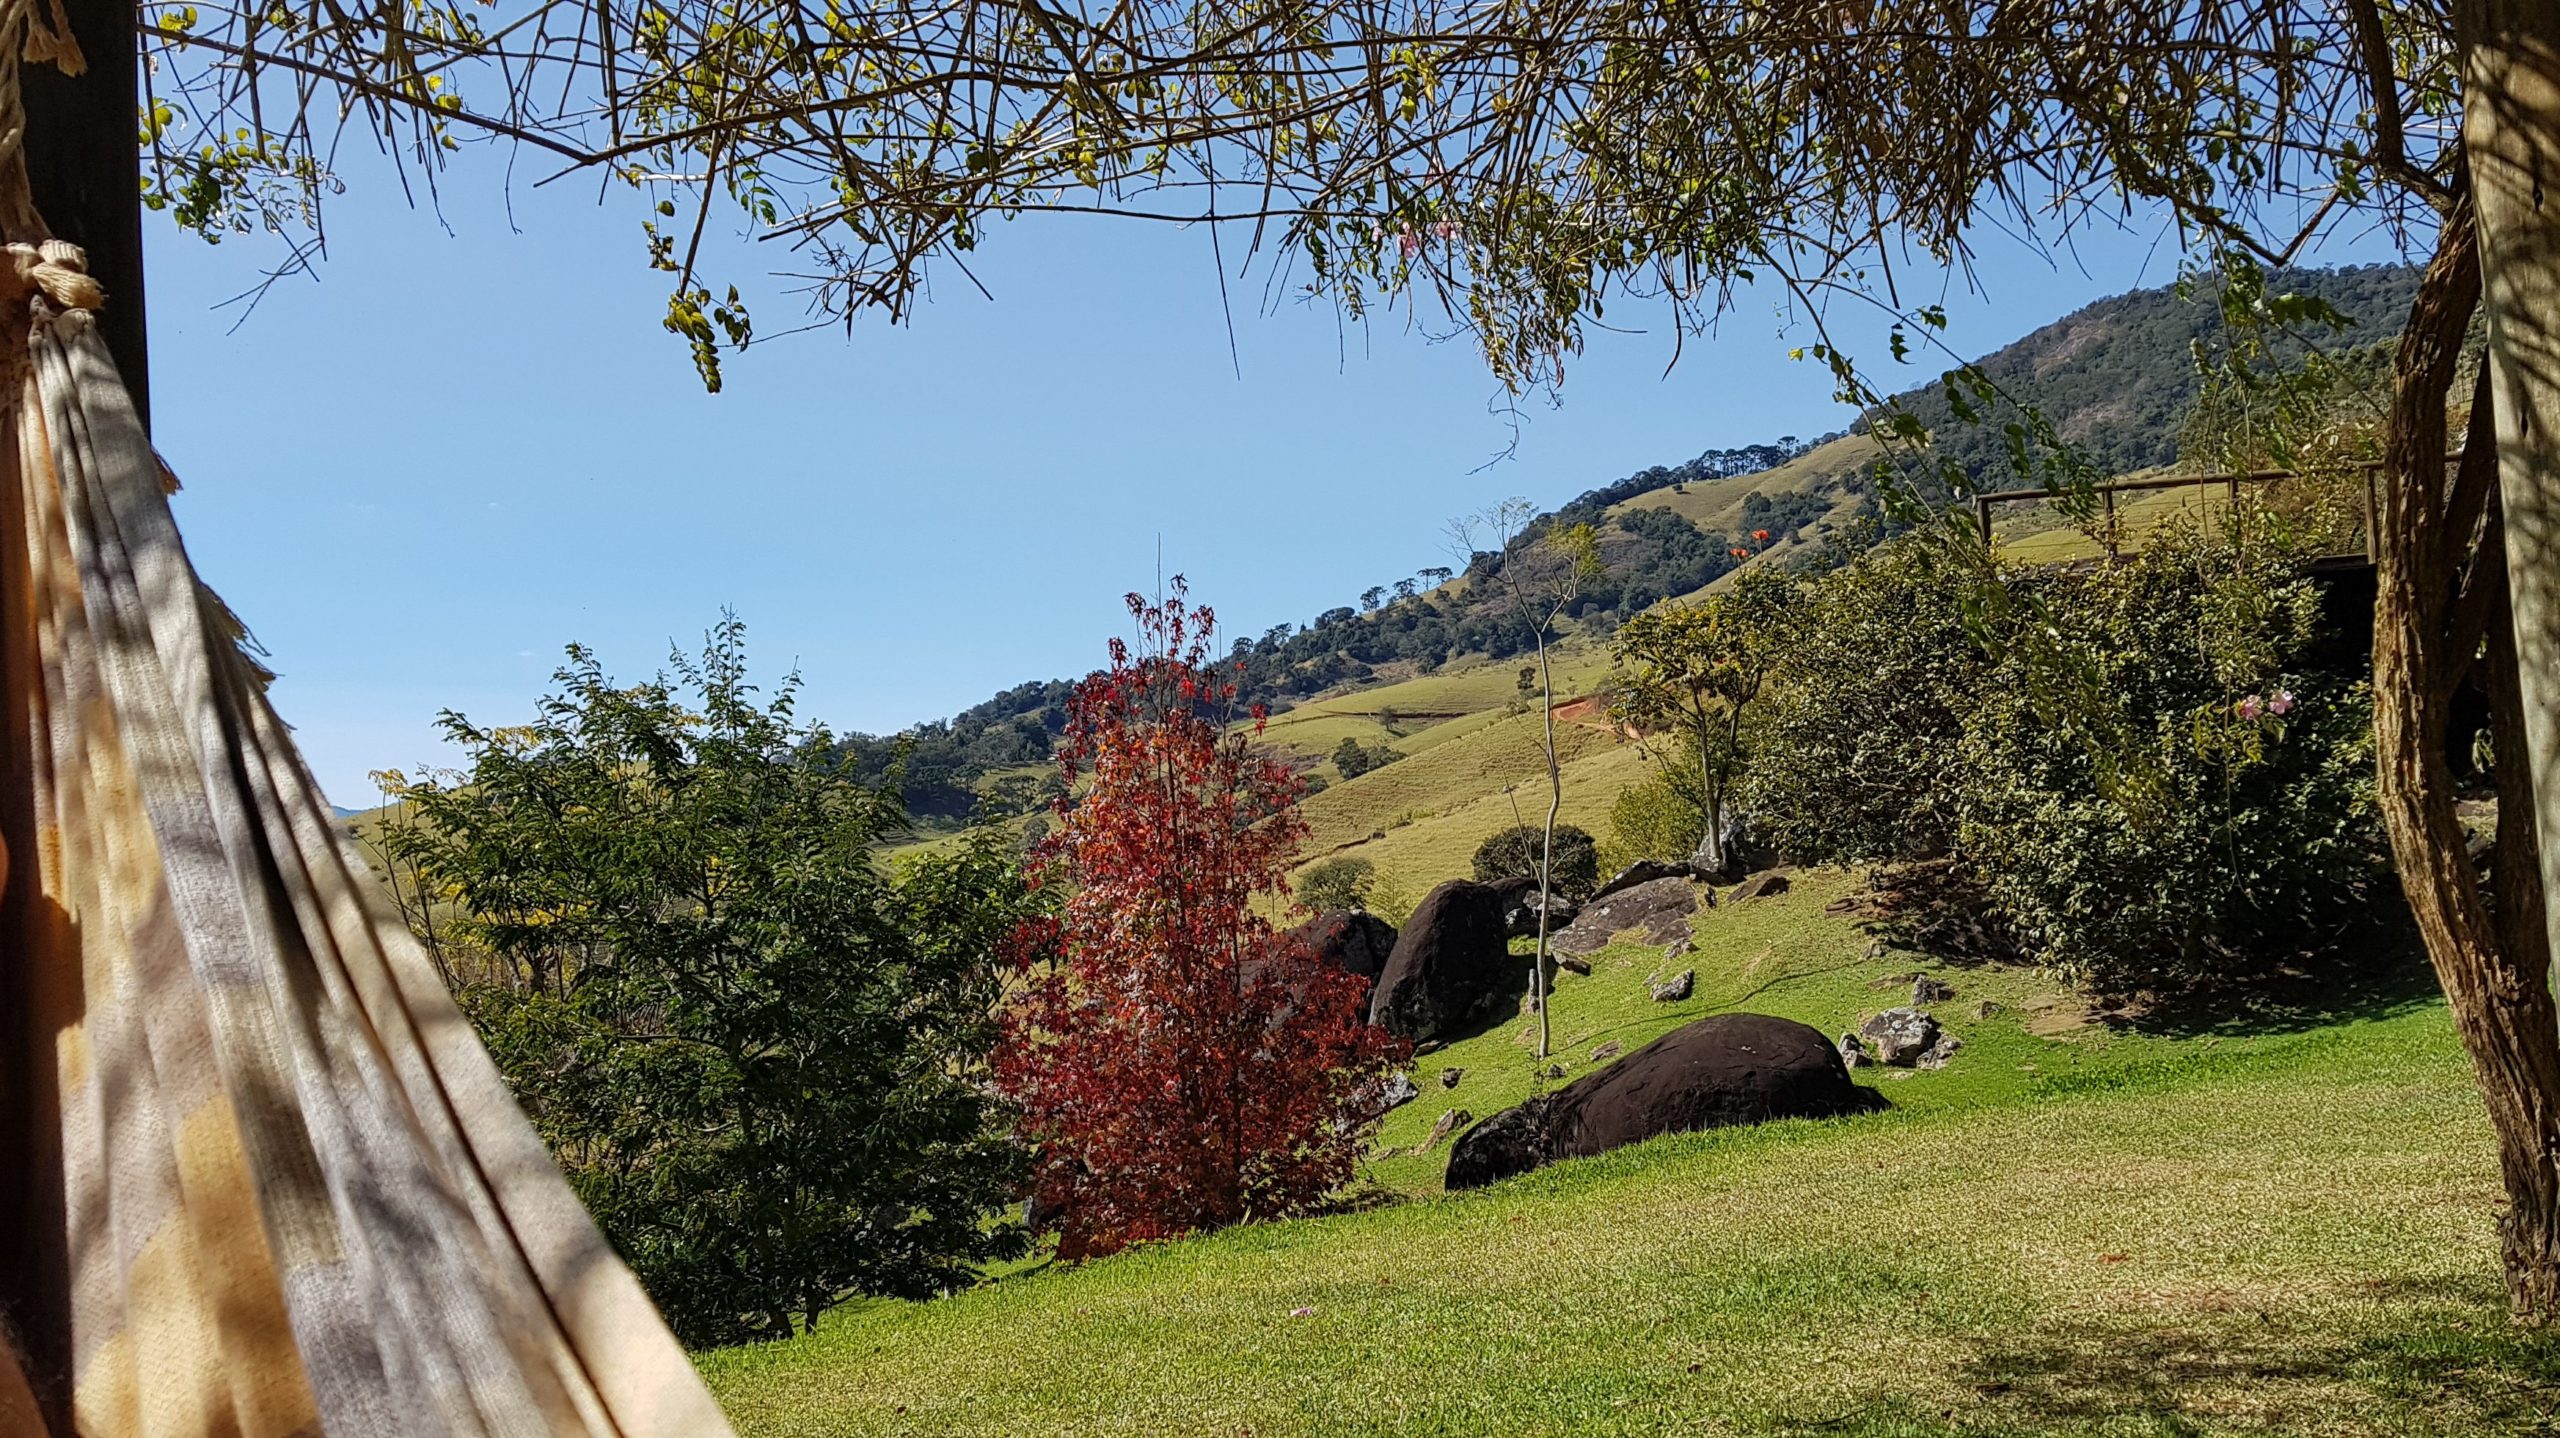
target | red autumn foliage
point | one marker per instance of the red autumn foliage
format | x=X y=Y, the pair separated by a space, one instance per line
x=1178 y=1063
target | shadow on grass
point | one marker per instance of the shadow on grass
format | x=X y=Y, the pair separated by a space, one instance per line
x=2455 y=1368
x=2374 y=968
x=2377 y=971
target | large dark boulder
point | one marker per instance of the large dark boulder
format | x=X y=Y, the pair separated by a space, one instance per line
x=1353 y=942
x=1451 y=965
x=1720 y=1071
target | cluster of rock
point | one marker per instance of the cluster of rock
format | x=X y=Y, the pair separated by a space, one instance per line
x=1904 y=1037
x=1719 y=1071
x=1522 y=904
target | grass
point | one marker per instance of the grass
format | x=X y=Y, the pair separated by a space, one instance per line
x=2038 y=534
x=1431 y=833
x=1717 y=505
x=2067 y=1231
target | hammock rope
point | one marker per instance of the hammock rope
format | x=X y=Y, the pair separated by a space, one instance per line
x=258 y=1177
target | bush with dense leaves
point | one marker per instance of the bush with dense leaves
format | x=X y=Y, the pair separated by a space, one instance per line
x=757 y=1053
x=1354 y=758
x=2214 y=818
x=1855 y=743
x=1513 y=854
x=1331 y=886
x=2140 y=769
x=1660 y=818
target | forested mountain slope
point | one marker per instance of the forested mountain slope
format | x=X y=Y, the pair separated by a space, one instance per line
x=2116 y=379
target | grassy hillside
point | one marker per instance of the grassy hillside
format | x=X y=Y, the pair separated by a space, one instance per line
x=1464 y=777
x=1718 y=506
x=2070 y=1230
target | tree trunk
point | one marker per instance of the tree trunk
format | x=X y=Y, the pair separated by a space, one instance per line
x=1709 y=855
x=84 y=169
x=2532 y=1227
x=2422 y=644
x=2511 y=141
x=1547 y=854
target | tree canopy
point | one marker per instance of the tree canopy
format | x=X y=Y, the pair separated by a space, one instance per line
x=1513 y=168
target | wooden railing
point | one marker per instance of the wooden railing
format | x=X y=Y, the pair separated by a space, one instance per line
x=2111 y=532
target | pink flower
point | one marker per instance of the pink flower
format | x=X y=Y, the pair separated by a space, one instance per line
x=1410 y=243
x=2250 y=707
x=1302 y=1313
x=2281 y=704
x=1446 y=229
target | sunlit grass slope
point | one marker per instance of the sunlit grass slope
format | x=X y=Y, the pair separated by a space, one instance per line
x=1718 y=505
x=1789 y=956
x=2065 y=1232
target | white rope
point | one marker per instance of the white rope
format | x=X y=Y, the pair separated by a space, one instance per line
x=24 y=37
x=57 y=270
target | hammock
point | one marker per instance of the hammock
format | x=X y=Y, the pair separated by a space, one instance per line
x=257 y=1175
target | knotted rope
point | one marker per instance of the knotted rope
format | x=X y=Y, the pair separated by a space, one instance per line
x=25 y=37
x=43 y=278
x=55 y=269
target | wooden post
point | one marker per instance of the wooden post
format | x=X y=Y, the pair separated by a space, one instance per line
x=2372 y=552
x=2109 y=495
x=84 y=168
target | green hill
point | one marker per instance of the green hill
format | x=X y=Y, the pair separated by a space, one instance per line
x=2117 y=378
x=2072 y=1229
x=1428 y=665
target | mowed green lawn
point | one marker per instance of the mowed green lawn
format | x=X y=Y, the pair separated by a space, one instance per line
x=2069 y=1230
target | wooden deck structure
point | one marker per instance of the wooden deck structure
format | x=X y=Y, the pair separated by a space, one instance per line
x=2111 y=532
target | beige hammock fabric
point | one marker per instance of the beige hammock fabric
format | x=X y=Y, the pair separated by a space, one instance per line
x=257 y=1175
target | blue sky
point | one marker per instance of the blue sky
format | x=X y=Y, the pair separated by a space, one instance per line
x=468 y=443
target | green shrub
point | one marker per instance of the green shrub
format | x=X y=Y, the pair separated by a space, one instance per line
x=1657 y=819
x=2211 y=817
x=2139 y=768
x=1355 y=759
x=1854 y=746
x=1332 y=885
x=1389 y=901
x=756 y=1052
x=1513 y=854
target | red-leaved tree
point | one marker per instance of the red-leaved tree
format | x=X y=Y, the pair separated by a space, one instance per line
x=1179 y=1064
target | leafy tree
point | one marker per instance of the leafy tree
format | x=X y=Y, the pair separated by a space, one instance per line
x=1539 y=577
x=1572 y=863
x=1698 y=669
x=1178 y=1064
x=1371 y=597
x=2217 y=823
x=1354 y=758
x=755 y=1053
x=1857 y=758
x=1334 y=885
x=1660 y=818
